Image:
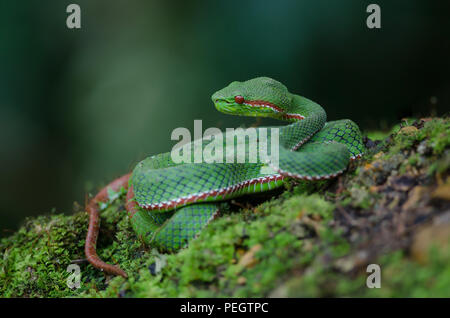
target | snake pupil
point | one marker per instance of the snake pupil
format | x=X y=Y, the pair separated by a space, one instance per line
x=239 y=99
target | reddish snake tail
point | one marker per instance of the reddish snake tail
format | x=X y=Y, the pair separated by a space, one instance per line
x=94 y=223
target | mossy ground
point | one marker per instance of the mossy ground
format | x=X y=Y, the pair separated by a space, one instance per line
x=391 y=208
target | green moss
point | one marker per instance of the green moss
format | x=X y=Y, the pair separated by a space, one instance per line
x=437 y=134
x=36 y=257
x=404 y=277
x=400 y=277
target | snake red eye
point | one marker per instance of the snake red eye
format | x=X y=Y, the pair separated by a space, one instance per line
x=239 y=99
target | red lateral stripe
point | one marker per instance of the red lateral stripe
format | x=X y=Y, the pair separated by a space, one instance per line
x=296 y=116
x=172 y=204
x=358 y=156
x=263 y=103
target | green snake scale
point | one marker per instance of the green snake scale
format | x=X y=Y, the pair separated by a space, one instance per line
x=169 y=203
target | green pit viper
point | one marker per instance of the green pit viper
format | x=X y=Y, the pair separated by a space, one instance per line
x=170 y=203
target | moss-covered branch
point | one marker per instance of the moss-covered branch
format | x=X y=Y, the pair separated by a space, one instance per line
x=314 y=239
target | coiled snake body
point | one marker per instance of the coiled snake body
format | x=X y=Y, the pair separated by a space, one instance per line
x=169 y=203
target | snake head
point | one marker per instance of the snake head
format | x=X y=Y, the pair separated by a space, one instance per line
x=259 y=97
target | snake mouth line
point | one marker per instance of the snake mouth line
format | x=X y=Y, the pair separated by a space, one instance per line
x=172 y=204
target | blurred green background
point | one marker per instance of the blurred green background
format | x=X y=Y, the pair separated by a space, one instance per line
x=80 y=107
